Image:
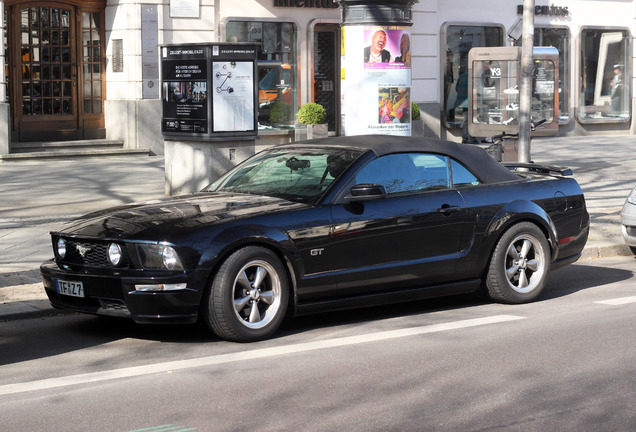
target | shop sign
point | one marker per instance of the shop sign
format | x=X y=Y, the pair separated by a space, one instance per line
x=325 y=4
x=546 y=10
x=118 y=55
x=149 y=53
x=184 y=8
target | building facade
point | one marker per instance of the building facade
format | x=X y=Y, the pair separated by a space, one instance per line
x=89 y=69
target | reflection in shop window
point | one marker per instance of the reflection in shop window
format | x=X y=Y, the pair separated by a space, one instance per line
x=495 y=95
x=604 y=75
x=459 y=39
x=277 y=69
x=542 y=101
x=560 y=39
x=92 y=62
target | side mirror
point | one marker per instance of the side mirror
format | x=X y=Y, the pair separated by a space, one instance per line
x=366 y=192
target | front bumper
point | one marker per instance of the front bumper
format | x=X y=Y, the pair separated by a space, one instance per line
x=628 y=223
x=115 y=295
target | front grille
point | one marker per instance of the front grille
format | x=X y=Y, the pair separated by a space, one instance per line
x=90 y=253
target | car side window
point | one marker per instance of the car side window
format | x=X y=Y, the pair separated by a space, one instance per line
x=462 y=178
x=406 y=173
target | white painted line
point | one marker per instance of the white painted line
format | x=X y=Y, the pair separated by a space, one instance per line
x=618 y=301
x=248 y=355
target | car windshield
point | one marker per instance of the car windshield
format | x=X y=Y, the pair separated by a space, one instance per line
x=300 y=175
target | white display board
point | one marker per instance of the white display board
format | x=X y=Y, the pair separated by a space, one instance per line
x=233 y=96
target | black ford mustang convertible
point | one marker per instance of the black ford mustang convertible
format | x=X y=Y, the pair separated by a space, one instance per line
x=324 y=224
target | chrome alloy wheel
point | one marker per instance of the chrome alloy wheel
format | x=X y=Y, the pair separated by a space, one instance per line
x=525 y=263
x=257 y=294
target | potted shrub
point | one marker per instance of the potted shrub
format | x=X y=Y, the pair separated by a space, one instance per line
x=310 y=122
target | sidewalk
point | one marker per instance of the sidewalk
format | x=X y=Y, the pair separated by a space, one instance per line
x=39 y=196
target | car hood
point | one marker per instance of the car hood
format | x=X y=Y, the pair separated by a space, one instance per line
x=171 y=216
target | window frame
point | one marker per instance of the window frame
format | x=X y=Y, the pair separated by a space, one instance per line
x=627 y=77
x=445 y=158
x=295 y=55
x=462 y=185
x=565 y=71
x=444 y=33
x=365 y=159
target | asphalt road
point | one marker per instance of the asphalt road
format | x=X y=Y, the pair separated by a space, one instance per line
x=563 y=363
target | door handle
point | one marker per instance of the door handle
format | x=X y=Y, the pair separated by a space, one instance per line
x=447 y=209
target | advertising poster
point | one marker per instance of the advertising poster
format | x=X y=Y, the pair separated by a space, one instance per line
x=185 y=93
x=377 y=87
x=233 y=97
x=387 y=47
x=394 y=105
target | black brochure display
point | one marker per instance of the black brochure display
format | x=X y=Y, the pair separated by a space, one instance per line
x=209 y=91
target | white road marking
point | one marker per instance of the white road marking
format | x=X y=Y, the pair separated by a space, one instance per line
x=618 y=301
x=248 y=355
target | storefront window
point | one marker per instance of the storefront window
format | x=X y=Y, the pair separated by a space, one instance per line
x=277 y=69
x=458 y=40
x=560 y=39
x=605 y=76
x=543 y=82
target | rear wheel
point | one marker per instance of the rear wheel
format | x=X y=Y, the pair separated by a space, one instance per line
x=248 y=296
x=519 y=265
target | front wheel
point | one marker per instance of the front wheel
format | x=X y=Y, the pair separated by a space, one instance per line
x=248 y=297
x=519 y=265
x=633 y=249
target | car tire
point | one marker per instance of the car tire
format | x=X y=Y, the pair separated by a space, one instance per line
x=633 y=249
x=519 y=265
x=248 y=297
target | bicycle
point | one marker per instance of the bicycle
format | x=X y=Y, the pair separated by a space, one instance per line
x=496 y=149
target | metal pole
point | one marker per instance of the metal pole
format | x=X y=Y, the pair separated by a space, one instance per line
x=3 y=78
x=525 y=89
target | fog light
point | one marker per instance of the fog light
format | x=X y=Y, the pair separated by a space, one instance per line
x=114 y=254
x=61 y=248
x=161 y=287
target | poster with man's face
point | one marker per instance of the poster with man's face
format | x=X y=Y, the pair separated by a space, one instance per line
x=387 y=47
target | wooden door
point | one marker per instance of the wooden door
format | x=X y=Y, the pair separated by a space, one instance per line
x=55 y=71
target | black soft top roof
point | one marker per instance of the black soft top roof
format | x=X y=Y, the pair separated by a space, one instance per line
x=473 y=157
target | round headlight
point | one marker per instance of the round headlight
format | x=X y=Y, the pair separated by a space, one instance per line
x=61 y=248
x=170 y=258
x=114 y=254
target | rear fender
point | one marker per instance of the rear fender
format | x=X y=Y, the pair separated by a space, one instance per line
x=523 y=210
